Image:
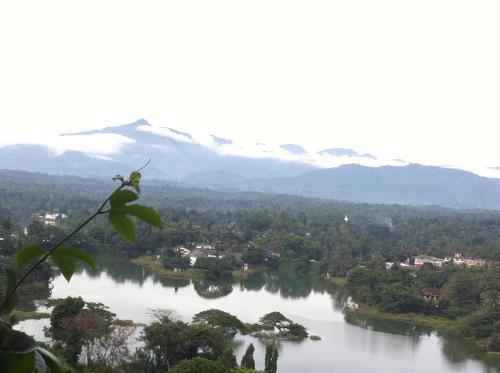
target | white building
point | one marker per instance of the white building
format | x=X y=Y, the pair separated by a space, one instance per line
x=420 y=260
x=52 y=219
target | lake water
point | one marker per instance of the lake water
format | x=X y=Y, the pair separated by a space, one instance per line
x=347 y=346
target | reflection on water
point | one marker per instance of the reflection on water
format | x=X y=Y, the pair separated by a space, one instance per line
x=212 y=289
x=351 y=344
x=389 y=326
x=254 y=281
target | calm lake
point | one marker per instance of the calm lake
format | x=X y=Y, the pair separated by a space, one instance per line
x=347 y=346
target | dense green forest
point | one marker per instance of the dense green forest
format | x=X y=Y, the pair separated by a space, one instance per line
x=292 y=226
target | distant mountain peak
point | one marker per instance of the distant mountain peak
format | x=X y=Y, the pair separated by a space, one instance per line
x=294 y=149
x=141 y=122
x=113 y=129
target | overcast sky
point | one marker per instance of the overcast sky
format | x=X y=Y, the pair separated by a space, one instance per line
x=417 y=80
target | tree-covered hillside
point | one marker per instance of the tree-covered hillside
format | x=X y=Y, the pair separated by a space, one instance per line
x=314 y=228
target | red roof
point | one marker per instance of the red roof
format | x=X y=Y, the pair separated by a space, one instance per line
x=432 y=292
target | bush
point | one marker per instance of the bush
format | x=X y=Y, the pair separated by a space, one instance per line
x=216 y=269
x=199 y=365
x=453 y=312
x=297 y=330
x=481 y=325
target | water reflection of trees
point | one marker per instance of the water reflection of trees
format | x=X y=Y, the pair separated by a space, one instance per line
x=340 y=297
x=286 y=283
x=212 y=289
x=254 y=281
x=459 y=350
x=289 y=284
x=389 y=326
x=121 y=270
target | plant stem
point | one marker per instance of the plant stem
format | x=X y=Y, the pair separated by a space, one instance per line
x=60 y=243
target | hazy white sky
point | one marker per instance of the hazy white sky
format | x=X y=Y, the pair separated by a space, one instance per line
x=418 y=80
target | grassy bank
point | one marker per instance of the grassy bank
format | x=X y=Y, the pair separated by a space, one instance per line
x=237 y=274
x=435 y=322
x=29 y=315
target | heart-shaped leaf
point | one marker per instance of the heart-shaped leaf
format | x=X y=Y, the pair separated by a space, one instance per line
x=147 y=214
x=122 y=225
x=119 y=198
x=66 y=259
x=28 y=254
x=66 y=264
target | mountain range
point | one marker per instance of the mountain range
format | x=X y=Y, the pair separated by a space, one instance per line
x=221 y=164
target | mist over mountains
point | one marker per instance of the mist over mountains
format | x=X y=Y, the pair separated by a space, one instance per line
x=219 y=163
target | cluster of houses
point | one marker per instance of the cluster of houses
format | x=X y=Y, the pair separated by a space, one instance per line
x=52 y=219
x=416 y=262
x=202 y=250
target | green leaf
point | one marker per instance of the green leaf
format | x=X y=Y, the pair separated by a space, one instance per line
x=17 y=362
x=77 y=253
x=16 y=341
x=147 y=214
x=66 y=264
x=28 y=254
x=40 y=366
x=66 y=259
x=51 y=360
x=11 y=283
x=121 y=197
x=122 y=225
x=134 y=180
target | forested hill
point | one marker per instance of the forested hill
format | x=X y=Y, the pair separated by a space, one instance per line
x=392 y=230
x=408 y=185
x=43 y=192
x=22 y=192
